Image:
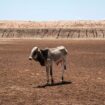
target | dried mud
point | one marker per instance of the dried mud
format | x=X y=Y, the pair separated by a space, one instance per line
x=20 y=78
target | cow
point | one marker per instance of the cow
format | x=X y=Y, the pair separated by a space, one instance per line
x=47 y=56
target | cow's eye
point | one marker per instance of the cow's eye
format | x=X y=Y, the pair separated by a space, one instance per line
x=34 y=53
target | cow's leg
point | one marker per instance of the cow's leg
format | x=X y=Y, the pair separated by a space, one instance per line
x=64 y=62
x=51 y=73
x=47 y=73
x=63 y=68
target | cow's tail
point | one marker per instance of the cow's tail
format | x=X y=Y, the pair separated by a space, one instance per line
x=67 y=59
x=66 y=51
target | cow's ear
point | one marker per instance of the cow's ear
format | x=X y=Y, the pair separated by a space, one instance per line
x=37 y=49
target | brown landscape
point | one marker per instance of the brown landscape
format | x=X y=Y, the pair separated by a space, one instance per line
x=20 y=78
x=22 y=82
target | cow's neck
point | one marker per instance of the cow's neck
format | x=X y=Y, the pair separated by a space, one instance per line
x=41 y=59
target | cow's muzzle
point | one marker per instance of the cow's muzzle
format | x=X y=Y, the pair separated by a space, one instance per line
x=30 y=58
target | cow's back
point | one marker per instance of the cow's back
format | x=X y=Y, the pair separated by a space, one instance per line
x=57 y=53
x=63 y=49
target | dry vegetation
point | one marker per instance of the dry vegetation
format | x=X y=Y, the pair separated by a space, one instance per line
x=55 y=29
x=53 y=24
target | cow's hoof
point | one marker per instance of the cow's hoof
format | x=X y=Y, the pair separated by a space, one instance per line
x=62 y=81
x=47 y=84
x=52 y=81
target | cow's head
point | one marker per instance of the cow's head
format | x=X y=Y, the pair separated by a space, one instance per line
x=38 y=55
x=34 y=53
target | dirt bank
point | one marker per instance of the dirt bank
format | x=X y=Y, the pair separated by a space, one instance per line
x=57 y=29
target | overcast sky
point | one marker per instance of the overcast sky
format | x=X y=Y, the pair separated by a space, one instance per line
x=43 y=10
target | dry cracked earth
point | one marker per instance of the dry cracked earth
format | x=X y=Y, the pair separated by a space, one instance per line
x=22 y=81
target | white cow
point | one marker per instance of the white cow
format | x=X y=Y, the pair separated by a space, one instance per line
x=47 y=56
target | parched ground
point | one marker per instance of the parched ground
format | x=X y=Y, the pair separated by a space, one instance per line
x=20 y=78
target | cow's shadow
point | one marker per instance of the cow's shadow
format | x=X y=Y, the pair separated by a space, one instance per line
x=54 y=84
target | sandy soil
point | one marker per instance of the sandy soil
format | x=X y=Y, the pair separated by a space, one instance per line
x=20 y=78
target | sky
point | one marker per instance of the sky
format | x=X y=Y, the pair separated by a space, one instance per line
x=52 y=10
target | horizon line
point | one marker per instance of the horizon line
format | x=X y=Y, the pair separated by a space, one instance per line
x=26 y=20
